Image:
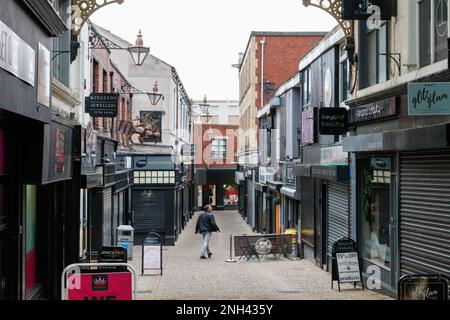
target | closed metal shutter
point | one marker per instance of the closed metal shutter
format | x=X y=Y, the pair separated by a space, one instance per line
x=115 y=219
x=338 y=204
x=107 y=217
x=150 y=210
x=425 y=212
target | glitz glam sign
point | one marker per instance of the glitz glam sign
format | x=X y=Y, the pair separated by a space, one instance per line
x=429 y=99
x=16 y=56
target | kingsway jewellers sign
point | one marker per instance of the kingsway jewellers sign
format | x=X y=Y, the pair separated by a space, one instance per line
x=429 y=99
x=16 y=56
x=102 y=105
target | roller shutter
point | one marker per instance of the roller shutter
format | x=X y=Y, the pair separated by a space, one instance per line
x=150 y=210
x=107 y=217
x=425 y=212
x=338 y=204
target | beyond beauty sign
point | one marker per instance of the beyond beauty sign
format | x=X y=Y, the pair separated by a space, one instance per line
x=108 y=286
x=429 y=99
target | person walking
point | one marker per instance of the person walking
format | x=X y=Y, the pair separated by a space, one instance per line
x=206 y=225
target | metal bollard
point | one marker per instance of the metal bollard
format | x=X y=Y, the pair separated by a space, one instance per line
x=231 y=250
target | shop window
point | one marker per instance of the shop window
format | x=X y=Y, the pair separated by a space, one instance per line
x=306 y=87
x=376 y=210
x=230 y=195
x=61 y=63
x=154 y=177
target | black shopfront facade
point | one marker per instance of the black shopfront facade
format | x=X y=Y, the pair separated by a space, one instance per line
x=325 y=204
x=401 y=178
x=35 y=157
x=154 y=195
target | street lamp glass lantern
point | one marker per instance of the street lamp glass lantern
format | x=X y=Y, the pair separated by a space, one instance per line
x=138 y=52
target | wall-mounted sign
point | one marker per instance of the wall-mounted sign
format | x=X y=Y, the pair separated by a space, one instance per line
x=153 y=163
x=102 y=105
x=374 y=111
x=43 y=85
x=333 y=121
x=346 y=267
x=334 y=156
x=308 y=117
x=429 y=99
x=359 y=9
x=424 y=287
x=16 y=56
x=113 y=255
x=107 y=286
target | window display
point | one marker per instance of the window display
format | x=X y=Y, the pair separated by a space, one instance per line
x=231 y=197
x=376 y=202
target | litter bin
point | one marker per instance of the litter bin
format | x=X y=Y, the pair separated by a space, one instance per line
x=125 y=239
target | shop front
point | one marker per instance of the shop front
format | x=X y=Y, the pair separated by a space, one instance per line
x=154 y=197
x=291 y=197
x=25 y=118
x=402 y=199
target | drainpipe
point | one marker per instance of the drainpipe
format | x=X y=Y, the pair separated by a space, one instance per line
x=263 y=43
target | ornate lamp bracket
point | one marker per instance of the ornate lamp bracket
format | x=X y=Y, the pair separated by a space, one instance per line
x=334 y=8
x=83 y=9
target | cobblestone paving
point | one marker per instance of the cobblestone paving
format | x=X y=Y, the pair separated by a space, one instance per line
x=186 y=277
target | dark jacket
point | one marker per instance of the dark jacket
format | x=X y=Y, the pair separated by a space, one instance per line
x=206 y=223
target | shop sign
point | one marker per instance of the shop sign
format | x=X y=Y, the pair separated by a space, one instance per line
x=346 y=266
x=113 y=255
x=333 y=121
x=107 y=286
x=424 y=287
x=360 y=9
x=334 y=156
x=153 y=163
x=429 y=99
x=374 y=111
x=16 y=56
x=102 y=105
x=308 y=126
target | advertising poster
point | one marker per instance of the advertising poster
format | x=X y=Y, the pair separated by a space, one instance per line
x=60 y=155
x=111 y=286
x=152 y=257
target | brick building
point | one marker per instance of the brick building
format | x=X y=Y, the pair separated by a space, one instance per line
x=215 y=138
x=270 y=59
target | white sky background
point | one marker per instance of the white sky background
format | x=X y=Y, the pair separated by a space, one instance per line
x=202 y=38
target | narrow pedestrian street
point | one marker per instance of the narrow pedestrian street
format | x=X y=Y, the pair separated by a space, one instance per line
x=186 y=277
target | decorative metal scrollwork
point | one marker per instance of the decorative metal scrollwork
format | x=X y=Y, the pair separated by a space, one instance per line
x=334 y=8
x=83 y=9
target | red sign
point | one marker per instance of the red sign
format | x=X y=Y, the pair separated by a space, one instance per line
x=108 y=286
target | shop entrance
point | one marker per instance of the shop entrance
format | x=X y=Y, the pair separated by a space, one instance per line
x=377 y=215
x=3 y=255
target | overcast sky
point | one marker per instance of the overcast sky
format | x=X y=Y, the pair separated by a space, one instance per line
x=202 y=38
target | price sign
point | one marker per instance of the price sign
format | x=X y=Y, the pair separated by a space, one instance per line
x=348 y=267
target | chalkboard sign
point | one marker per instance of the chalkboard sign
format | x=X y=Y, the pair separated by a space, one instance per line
x=346 y=263
x=423 y=287
x=333 y=121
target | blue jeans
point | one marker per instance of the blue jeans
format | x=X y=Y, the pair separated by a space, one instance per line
x=205 y=246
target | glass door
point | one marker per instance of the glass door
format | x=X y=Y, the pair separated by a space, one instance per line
x=377 y=215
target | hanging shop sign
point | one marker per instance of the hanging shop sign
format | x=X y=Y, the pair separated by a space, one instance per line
x=333 y=121
x=346 y=266
x=374 y=111
x=308 y=118
x=57 y=151
x=362 y=10
x=424 y=287
x=429 y=99
x=16 y=56
x=102 y=105
x=334 y=156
